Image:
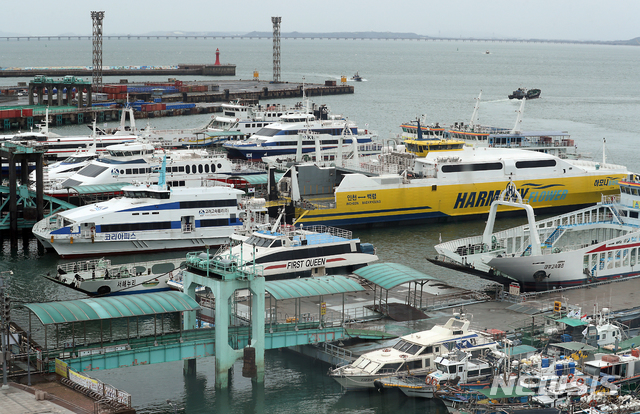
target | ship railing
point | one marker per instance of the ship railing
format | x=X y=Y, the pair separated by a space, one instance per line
x=83 y=266
x=610 y=199
x=239 y=165
x=333 y=231
x=338 y=352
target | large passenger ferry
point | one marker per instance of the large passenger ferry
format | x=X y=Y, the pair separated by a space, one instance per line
x=300 y=130
x=147 y=218
x=400 y=187
x=584 y=246
x=138 y=161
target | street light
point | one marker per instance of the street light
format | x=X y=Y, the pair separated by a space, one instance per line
x=175 y=407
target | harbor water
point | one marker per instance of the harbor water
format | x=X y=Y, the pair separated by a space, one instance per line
x=590 y=91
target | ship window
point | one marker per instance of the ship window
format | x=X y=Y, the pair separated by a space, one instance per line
x=213 y=168
x=181 y=169
x=488 y=166
x=473 y=373
x=535 y=164
x=206 y=168
x=214 y=222
x=485 y=371
x=267 y=132
x=92 y=170
x=427 y=350
x=276 y=243
x=200 y=169
x=413 y=350
x=633 y=214
x=392 y=367
x=188 y=169
x=136 y=171
x=194 y=169
x=127 y=171
x=417 y=364
x=452 y=369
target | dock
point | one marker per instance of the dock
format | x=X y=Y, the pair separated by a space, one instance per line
x=201 y=69
x=204 y=97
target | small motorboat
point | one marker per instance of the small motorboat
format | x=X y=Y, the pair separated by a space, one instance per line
x=525 y=93
x=356 y=77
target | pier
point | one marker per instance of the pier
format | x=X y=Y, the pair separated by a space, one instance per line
x=183 y=69
x=22 y=116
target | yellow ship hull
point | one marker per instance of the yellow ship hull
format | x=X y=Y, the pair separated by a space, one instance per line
x=424 y=199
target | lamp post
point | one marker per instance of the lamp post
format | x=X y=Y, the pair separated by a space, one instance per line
x=4 y=334
x=29 y=358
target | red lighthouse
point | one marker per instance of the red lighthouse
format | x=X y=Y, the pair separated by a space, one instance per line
x=217 y=57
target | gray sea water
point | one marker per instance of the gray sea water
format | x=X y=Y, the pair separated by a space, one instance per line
x=590 y=91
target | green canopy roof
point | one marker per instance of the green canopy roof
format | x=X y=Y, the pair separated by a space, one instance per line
x=506 y=392
x=390 y=275
x=98 y=188
x=520 y=349
x=311 y=286
x=574 y=346
x=112 y=307
x=257 y=179
x=571 y=321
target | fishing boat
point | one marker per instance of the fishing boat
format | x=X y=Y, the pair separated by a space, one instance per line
x=140 y=161
x=414 y=353
x=284 y=251
x=356 y=77
x=522 y=93
x=101 y=277
x=410 y=385
x=591 y=244
x=400 y=187
x=462 y=369
x=304 y=130
x=148 y=217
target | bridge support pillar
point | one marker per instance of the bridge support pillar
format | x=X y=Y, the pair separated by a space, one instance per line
x=223 y=291
x=190 y=367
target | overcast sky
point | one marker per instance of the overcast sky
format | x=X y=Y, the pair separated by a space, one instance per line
x=544 y=19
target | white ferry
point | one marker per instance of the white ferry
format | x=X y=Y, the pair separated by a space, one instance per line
x=147 y=218
x=588 y=245
x=299 y=133
x=135 y=162
x=416 y=353
x=101 y=277
x=246 y=120
x=400 y=187
x=286 y=252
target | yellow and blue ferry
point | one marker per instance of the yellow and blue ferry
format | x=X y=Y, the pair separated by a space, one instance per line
x=445 y=185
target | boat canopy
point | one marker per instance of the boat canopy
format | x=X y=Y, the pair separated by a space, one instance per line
x=311 y=286
x=113 y=307
x=390 y=275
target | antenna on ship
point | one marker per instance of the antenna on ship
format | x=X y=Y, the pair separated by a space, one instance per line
x=474 y=115
x=516 y=127
x=162 y=179
x=604 y=155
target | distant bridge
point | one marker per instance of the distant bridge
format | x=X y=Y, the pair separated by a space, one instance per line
x=304 y=37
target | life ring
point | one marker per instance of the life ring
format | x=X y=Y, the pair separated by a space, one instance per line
x=386 y=350
x=580 y=381
x=593 y=403
x=569 y=378
x=403 y=356
x=428 y=380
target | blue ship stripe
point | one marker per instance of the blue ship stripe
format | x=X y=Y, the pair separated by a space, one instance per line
x=360 y=213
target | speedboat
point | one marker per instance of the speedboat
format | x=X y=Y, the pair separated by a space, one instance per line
x=300 y=133
x=101 y=277
x=148 y=217
x=588 y=245
x=415 y=353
